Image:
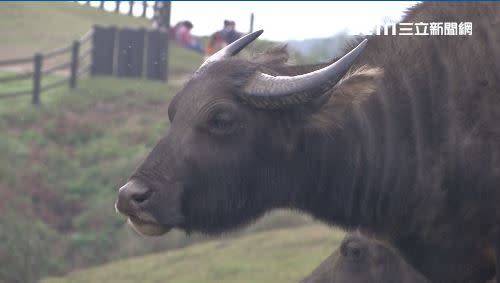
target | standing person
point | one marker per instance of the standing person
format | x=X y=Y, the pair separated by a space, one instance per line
x=229 y=33
x=215 y=43
x=183 y=36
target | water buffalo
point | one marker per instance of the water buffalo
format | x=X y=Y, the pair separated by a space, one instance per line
x=362 y=259
x=399 y=137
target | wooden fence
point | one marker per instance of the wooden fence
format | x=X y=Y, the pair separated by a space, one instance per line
x=110 y=51
x=131 y=4
x=160 y=10
x=71 y=66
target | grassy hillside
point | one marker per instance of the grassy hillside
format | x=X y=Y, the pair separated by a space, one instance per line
x=62 y=162
x=41 y=26
x=280 y=256
x=61 y=165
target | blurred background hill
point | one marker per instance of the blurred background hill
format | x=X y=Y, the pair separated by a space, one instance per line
x=318 y=49
x=41 y=26
x=62 y=162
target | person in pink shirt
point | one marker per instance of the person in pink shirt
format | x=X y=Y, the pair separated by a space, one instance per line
x=183 y=36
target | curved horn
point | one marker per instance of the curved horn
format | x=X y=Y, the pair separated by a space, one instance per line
x=271 y=92
x=233 y=48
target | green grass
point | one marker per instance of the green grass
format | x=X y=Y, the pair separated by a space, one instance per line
x=279 y=256
x=22 y=85
x=37 y=26
x=70 y=154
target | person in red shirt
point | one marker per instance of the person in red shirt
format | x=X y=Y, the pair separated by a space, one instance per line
x=215 y=43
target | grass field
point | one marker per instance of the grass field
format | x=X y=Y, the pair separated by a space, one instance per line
x=279 y=256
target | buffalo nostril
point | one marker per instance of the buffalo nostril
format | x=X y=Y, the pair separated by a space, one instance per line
x=130 y=196
x=141 y=197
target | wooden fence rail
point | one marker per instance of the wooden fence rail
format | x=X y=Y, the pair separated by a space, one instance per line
x=38 y=72
x=121 y=52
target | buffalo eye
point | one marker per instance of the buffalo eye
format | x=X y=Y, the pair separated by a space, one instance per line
x=222 y=123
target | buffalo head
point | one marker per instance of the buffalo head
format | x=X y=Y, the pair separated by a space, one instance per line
x=228 y=155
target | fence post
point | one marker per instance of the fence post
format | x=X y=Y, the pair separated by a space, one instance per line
x=144 y=8
x=251 y=22
x=164 y=15
x=101 y=5
x=130 y=8
x=37 y=77
x=74 y=64
x=117 y=7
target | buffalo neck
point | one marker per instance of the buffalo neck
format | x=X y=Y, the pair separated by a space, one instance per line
x=353 y=173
